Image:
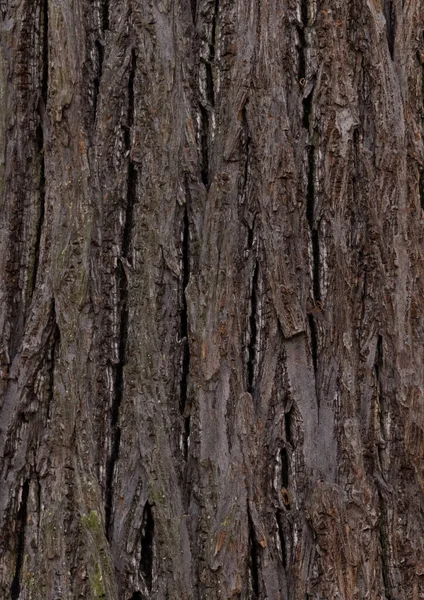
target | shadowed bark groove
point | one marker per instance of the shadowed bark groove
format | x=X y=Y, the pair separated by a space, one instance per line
x=147 y=535
x=255 y=561
x=122 y=286
x=390 y=15
x=42 y=104
x=252 y=363
x=15 y=589
x=184 y=332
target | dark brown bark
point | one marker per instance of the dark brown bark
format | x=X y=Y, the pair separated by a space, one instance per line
x=211 y=251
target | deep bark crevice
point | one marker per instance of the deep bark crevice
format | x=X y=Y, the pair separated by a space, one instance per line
x=285 y=466
x=42 y=104
x=122 y=287
x=421 y=189
x=252 y=359
x=105 y=15
x=390 y=16
x=204 y=145
x=147 y=535
x=282 y=539
x=21 y=520
x=184 y=333
x=314 y=342
x=138 y=596
x=288 y=426
x=384 y=550
x=246 y=153
x=254 y=559
x=207 y=103
x=96 y=83
x=193 y=6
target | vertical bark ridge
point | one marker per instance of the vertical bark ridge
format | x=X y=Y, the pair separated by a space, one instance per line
x=122 y=286
x=147 y=536
x=15 y=588
x=184 y=332
x=42 y=106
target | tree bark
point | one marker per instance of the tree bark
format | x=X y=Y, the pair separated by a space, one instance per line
x=212 y=265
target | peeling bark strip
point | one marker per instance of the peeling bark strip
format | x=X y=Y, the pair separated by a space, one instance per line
x=147 y=533
x=15 y=588
x=122 y=286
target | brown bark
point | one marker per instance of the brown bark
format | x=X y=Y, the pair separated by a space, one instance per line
x=212 y=269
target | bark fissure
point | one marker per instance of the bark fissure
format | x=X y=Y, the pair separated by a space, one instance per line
x=284 y=457
x=253 y=332
x=384 y=550
x=122 y=287
x=314 y=342
x=282 y=539
x=184 y=333
x=254 y=560
x=421 y=190
x=390 y=15
x=207 y=102
x=246 y=153
x=105 y=15
x=15 y=588
x=42 y=104
x=147 y=534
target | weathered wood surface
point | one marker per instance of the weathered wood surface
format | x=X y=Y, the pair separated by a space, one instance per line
x=211 y=290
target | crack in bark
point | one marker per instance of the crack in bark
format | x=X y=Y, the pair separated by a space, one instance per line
x=207 y=105
x=385 y=551
x=105 y=15
x=147 y=535
x=383 y=528
x=100 y=52
x=44 y=27
x=246 y=151
x=288 y=426
x=122 y=286
x=254 y=565
x=184 y=333
x=281 y=537
x=301 y=48
x=253 y=332
x=390 y=16
x=284 y=468
x=21 y=519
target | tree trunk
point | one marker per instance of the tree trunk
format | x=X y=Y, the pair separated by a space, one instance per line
x=212 y=264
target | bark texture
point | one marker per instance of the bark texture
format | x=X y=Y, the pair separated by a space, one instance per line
x=211 y=250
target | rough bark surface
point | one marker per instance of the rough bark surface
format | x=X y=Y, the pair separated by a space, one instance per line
x=211 y=250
